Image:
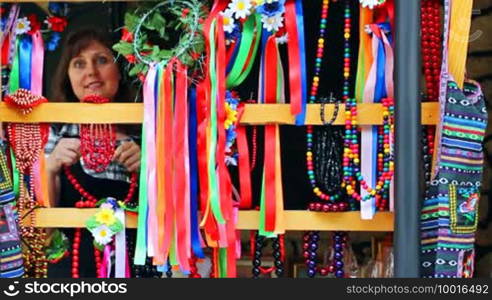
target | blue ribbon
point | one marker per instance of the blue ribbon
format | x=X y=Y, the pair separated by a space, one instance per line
x=264 y=38
x=192 y=141
x=301 y=117
x=25 y=53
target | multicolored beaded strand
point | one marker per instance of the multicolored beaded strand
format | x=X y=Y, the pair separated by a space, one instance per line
x=316 y=206
x=351 y=160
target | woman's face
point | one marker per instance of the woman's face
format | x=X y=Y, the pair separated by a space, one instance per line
x=94 y=72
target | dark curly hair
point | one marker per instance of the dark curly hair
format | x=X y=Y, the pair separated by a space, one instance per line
x=74 y=43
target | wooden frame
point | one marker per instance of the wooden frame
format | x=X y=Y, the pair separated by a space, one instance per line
x=254 y=114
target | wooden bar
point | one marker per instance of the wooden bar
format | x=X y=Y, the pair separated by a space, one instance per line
x=254 y=114
x=294 y=220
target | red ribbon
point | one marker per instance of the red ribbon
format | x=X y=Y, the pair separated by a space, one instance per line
x=5 y=50
x=294 y=56
x=271 y=60
x=244 y=166
x=181 y=192
x=168 y=159
x=225 y=197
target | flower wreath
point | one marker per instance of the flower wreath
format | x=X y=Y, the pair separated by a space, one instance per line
x=148 y=34
x=51 y=28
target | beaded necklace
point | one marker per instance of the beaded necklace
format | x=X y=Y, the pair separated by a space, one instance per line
x=310 y=246
x=351 y=161
x=27 y=142
x=257 y=242
x=97 y=145
x=431 y=63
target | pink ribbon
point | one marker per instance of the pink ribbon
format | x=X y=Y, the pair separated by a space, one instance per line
x=105 y=270
x=120 y=247
x=149 y=120
x=37 y=62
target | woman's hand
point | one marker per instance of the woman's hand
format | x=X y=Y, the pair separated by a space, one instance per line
x=66 y=153
x=128 y=154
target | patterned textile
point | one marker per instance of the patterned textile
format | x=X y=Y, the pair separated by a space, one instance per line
x=11 y=262
x=114 y=171
x=449 y=212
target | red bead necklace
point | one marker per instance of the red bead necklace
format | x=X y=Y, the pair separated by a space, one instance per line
x=431 y=63
x=97 y=141
x=97 y=148
x=27 y=141
x=431 y=47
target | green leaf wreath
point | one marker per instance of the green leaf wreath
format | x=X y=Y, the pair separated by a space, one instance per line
x=155 y=33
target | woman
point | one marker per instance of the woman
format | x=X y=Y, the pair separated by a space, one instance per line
x=87 y=67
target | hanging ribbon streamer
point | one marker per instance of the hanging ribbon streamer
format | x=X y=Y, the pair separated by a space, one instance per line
x=14 y=72
x=147 y=163
x=243 y=162
x=192 y=141
x=120 y=247
x=25 y=52
x=296 y=50
x=37 y=63
x=271 y=91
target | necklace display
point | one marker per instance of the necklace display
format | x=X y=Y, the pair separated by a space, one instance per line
x=97 y=145
x=27 y=142
x=257 y=244
x=311 y=239
x=311 y=162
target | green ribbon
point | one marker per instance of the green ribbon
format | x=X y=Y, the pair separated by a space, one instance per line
x=223 y=262
x=14 y=73
x=360 y=80
x=261 y=227
x=16 y=175
x=143 y=206
x=236 y=75
x=212 y=175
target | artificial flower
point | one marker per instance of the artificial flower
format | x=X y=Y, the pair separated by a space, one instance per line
x=257 y=2
x=228 y=19
x=271 y=8
x=106 y=216
x=283 y=39
x=126 y=35
x=371 y=3
x=22 y=26
x=131 y=58
x=272 y=23
x=35 y=24
x=102 y=234
x=241 y=8
x=57 y=24
x=53 y=41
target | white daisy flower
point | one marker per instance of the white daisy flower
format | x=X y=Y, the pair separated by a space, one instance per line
x=241 y=8
x=102 y=234
x=22 y=25
x=228 y=20
x=282 y=39
x=272 y=23
x=371 y=3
